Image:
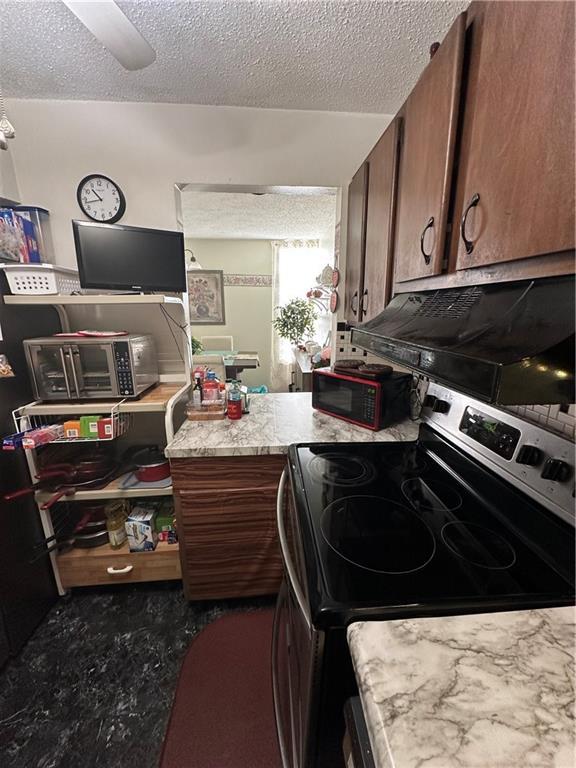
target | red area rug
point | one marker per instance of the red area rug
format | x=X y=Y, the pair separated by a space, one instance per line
x=223 y=712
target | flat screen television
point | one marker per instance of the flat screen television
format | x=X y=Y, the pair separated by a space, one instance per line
x=120 y=258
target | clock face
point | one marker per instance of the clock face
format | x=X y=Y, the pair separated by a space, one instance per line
x=101 y=199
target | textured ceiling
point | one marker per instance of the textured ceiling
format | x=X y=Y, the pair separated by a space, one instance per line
x=347 y=55
x=244 y=216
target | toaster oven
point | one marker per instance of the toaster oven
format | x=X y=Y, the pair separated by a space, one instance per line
x=90 y=368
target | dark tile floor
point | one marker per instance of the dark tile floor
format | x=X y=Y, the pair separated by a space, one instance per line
x=94 y=686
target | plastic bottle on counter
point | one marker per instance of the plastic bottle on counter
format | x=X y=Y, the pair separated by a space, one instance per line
x=211 y=388
x=197 y=393
x=234 y=402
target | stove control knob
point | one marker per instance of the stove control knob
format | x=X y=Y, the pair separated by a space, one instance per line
x=529 y=454
x=557 y=470
x=441 y=406
x=430 y=402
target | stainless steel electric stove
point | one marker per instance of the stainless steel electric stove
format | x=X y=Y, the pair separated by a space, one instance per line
x=474 y=516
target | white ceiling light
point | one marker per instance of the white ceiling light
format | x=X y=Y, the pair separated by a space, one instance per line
x=114 y=30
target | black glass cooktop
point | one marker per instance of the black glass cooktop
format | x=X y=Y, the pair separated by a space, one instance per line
x=418 y=528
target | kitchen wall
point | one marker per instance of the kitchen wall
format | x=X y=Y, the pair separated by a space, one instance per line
x=248 y=308
x=147 y=148
x=8 y=182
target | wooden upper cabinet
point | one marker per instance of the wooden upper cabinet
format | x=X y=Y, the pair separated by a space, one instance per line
x=355 y=243
x=516 y=166
x=380 y=219
x=427 y=156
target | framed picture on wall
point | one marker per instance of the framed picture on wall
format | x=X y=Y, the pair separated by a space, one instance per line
x=206 y=296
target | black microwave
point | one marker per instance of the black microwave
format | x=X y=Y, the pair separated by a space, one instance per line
x=373 y=404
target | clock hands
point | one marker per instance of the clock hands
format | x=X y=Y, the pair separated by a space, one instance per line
x=97 y=195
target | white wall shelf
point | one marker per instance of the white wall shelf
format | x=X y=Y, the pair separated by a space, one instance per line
x=90 y=300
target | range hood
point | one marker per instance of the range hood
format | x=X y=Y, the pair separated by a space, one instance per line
x=505 y=343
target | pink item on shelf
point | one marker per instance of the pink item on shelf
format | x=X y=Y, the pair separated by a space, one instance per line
x=93 y=334
x=43 y=435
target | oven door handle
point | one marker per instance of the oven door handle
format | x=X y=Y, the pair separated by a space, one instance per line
x=77 y=377
x=275 y=687
x=288 y=564
x=63 y=358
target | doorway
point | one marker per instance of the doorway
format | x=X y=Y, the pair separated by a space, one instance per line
x=249 y=251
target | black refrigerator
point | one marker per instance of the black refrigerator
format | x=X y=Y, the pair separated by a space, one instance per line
x=27 y=588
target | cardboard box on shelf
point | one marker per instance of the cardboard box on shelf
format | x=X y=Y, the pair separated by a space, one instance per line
x=141 y=528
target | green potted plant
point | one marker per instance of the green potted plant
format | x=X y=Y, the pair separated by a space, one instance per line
x=295 y=320
x=196 y=346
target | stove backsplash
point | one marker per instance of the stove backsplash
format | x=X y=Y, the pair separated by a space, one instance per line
x=563 y=422
x=560 y=419
x=345 y=351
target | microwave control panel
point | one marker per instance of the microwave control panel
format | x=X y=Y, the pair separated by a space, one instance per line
x=369 y=399
x=123 y=367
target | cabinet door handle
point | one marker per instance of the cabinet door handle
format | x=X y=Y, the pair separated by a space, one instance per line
x=468 y=244
x=364 y=303
x=429 y=225
x=111 y=570
x=354 y=309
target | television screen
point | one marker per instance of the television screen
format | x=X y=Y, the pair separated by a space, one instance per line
x=116 y=257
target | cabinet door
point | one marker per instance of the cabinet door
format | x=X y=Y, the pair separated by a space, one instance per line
x=355 y=243
x=517 y=150
x=229 y=541
x=380 y=218
x=427 y=157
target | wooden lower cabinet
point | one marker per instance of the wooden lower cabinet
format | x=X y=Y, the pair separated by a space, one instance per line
x=104 y=565
x=226 y=514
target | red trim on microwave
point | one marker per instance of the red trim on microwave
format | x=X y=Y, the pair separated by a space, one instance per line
x=375 y=425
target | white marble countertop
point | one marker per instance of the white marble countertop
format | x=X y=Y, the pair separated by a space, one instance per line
x=486 y=691
x=275 y=421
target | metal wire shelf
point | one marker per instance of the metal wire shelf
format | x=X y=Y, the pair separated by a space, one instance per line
x=109 y=426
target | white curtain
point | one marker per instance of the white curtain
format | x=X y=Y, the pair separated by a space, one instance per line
x=296 y=265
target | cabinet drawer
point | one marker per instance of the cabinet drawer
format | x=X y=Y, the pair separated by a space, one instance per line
x=191 y=475
x=89 y=567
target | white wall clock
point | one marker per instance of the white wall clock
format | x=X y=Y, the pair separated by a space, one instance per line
x=101 y=199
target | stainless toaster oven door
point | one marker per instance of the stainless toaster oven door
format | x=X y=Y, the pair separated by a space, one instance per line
x=93 y=370
x=50 y=370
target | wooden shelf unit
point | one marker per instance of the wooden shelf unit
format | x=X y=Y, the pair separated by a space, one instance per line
x=89 y=567
x=110 y=491
x=138 y=314
x=154 y=401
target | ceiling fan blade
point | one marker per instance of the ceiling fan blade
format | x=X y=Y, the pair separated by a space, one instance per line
x=114 y=30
